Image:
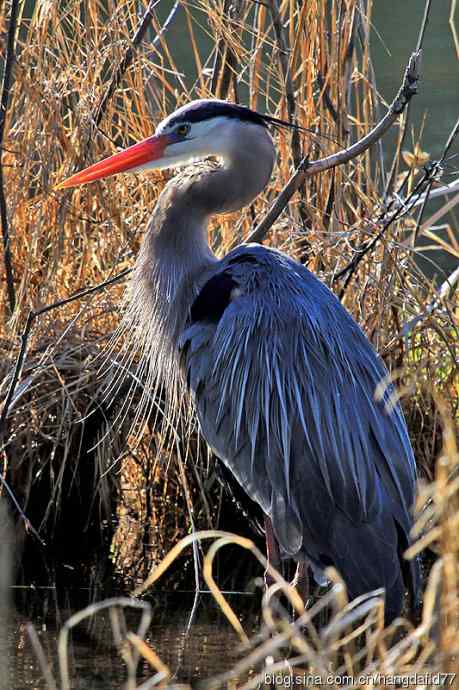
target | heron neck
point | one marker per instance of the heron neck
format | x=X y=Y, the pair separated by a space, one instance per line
x=175 y=255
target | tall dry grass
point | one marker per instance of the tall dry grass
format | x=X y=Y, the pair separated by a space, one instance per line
x=71 y=459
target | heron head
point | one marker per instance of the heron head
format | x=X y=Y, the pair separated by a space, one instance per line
x=199 y=129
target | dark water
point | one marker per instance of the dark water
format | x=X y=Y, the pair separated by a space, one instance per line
x=208 y=647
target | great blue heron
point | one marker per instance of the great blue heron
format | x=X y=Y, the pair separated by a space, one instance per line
x=283 y=379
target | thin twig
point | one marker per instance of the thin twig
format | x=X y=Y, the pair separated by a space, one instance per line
x=438 y=166
x=168 y=21
x=8 y=70
x=126 y=60
x=351 y=267
x=17 y=371
x=225 y=61
x=307 y=169
x=444 y=190
x=28 y=525
x=218 y=57
x=402 y=134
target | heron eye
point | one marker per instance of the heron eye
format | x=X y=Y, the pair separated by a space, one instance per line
x=182 y=130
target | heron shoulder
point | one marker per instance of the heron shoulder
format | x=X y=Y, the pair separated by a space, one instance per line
x=277 y=286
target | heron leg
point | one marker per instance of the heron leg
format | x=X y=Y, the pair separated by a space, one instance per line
x=301 y=580
x=272 y=551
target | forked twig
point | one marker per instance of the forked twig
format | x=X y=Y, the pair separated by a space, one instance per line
x=438 y=165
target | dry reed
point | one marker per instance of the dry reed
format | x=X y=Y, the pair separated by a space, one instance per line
x=75 y=97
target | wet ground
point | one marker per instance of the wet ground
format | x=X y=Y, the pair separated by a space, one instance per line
x=192 y=652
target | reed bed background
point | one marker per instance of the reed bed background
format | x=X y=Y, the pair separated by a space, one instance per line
x=89 y=77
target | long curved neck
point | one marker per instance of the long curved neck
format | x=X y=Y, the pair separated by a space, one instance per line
x=175 y=255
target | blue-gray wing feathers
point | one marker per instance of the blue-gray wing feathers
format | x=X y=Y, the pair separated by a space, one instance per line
x=284 y=384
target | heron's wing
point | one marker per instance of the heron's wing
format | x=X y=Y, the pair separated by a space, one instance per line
x=284 y=383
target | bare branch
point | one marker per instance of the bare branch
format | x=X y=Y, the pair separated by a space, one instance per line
x=407 y=91
x=261 y=230
x=307 y=169
x=402 y=133
x=438 y=166
x=370 y=244
x=8 y=70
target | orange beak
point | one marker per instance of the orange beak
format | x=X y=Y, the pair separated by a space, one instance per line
x=135 y=157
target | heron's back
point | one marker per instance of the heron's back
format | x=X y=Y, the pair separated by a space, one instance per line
x=284 y=383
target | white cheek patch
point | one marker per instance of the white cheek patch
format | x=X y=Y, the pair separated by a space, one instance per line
x=207 y=138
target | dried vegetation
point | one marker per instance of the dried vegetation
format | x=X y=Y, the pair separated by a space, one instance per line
x=81 y=87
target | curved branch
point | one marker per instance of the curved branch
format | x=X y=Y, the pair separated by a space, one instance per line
x=307 y=169
x=404 y=125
